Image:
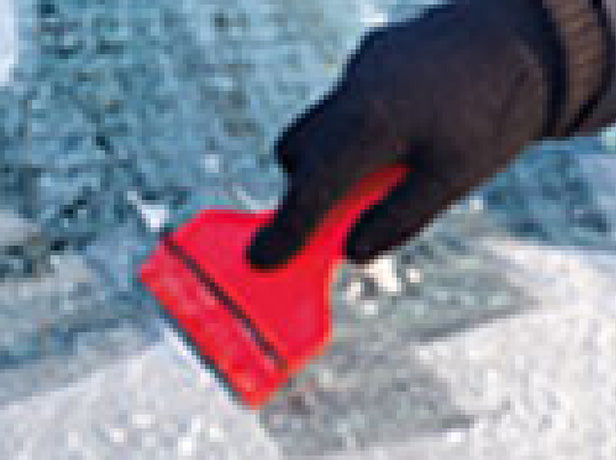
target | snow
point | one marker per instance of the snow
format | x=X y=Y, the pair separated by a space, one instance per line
x=538 y=384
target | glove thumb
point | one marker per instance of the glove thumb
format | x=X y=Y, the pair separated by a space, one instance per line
x=307 y=201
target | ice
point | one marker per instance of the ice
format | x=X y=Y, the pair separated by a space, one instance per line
x=8 y=41
x=155 y=216
x=383 y=271
x=413 y=275
x=370 y=16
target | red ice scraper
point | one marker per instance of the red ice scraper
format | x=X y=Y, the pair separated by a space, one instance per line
x=255 y=328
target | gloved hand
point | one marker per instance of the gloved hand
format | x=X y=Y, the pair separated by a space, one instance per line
x=455 y=94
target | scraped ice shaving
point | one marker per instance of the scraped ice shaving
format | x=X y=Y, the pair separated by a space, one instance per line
x=186 y=357
x=155 y=216
x=249 y=202
x=370 y=308
x=413 y=275
x=354 y=291
x=608 y=138
x=370 y=16
x=475 y=204
x=383 y=272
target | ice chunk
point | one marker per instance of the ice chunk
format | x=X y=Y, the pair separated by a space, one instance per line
x=413 y=275
x=383 y=272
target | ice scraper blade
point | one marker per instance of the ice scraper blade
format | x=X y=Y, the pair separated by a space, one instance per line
x=256 y=328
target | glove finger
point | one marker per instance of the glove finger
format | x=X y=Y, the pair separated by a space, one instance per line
x=403 y=214
x=310 y=196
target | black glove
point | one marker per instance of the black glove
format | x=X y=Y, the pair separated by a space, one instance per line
x=455 y=94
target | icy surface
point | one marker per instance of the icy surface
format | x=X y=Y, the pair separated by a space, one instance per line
x=491 y=335
x=8 y=42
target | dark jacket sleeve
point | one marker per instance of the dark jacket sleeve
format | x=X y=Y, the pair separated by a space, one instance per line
x=585 y=83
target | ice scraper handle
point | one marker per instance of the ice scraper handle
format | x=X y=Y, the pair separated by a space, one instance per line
x=328 y=240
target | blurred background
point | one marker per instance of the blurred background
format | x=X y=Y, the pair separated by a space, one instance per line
x=491 y=335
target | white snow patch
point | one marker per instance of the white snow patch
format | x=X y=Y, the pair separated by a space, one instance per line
x=383 y=272
x=354 y=291
x=413 y=275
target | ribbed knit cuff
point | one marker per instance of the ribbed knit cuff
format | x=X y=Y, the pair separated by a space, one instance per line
x=585 y=45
